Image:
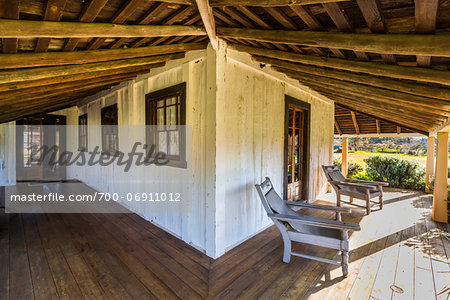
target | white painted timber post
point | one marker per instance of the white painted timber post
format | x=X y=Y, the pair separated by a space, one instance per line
x=439 y=213
x=430 y=162
x=344 y=168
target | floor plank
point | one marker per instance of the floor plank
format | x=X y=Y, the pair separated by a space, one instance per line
x=4 y=256
x=44 y=286
x=20 y=283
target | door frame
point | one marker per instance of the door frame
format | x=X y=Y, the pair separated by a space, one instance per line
x=288 y=100
x=46 y=119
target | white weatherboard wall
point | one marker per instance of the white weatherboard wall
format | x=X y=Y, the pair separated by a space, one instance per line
x=250 y=142
x=236 y=110
x=130 y=99
x=7 y=153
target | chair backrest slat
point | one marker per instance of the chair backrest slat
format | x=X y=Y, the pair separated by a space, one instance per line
x=334 y=174
x=270 y=199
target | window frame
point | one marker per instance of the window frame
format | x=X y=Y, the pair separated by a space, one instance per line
x=80 y=148
x=107 y=109
x=180 y=91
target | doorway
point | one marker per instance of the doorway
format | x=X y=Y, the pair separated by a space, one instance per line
x=296 y=149
x=32 y=135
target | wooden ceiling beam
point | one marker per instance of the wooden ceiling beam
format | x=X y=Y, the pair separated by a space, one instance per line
x=56 y=104
x=336 y=124
x=88 y=14
x=405 y=44
x=38 y=95
x=9 y=9
x=442 y=95
x=208 y=21
x=31 y=74
x=399 y=72
x=41 y=83
x=425 y=20
x=32 y=29
x=64 y=85
x=53 y=12
x=29 y=60
x=355 y=122
x=119 y=18
x=425 y=103
x=268 y=3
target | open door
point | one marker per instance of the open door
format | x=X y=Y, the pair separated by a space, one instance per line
x=32 y=134
x=296 y=149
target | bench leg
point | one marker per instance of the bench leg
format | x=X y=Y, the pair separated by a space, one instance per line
x=286 y=241
x=344 y=253
x=368 y=203
x=287 y=250
x=381 y=201
x=338 y=203
x=344 y=263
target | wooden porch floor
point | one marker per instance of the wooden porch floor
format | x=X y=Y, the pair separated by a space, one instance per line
x=398 y=254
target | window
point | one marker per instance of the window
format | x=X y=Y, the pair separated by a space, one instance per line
x=167 y=109
x=110 y=133
x=82 y=132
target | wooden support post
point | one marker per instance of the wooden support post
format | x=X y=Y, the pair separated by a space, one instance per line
x=344 y=168
x=439 y=212
x=430 y=162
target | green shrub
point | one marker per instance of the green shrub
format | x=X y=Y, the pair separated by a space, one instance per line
x=353 y=168
x=362 y=176
x=400 y=173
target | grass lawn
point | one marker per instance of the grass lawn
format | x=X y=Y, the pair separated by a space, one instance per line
x=359 y=156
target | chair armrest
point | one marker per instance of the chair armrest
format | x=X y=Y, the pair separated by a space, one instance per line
x=318 y=206
x=365 y=186
x=370 y=182
x=315 y=221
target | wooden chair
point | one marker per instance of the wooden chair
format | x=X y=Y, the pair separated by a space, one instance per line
x=359 y=189
x=295 y=227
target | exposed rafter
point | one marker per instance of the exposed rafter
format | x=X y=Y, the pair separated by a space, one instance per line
x=10 y=11
x=119 y=18
x=88 y=14
x=208 y=21
x=425 y=18
x=355 y=122
x=53 y=12
x=336 y=124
